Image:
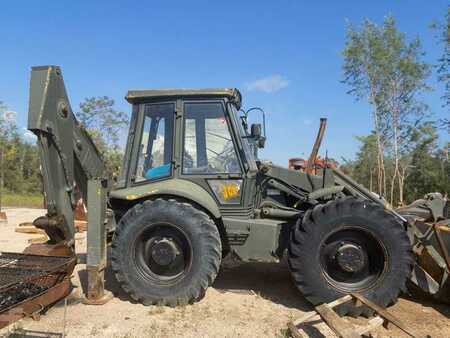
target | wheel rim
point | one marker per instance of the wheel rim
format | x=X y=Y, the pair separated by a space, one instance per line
x=353 y=259
x=162 y=253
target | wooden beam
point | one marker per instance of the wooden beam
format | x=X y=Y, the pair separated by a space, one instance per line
x=371 y=325
x=312 y=314
x=342 y=328
x=386 y=315
x=293 y=330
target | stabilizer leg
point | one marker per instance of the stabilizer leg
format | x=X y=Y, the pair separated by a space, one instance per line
x=96 y=243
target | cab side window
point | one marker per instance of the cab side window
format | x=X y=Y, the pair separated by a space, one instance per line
x=208 y=146
x=155 y=149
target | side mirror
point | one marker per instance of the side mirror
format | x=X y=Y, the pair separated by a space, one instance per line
x=256 y=134
x=255 y=130
x=261 y=142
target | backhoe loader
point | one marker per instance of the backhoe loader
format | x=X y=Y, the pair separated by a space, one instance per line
x=192 y=190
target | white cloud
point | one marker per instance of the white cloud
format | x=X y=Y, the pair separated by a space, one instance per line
x=268 y=84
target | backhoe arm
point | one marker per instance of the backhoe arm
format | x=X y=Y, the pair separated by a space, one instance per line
x=70 y=165
x=68 y=156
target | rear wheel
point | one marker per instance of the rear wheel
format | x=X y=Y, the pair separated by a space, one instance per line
x=350 y=245
x=166 y=252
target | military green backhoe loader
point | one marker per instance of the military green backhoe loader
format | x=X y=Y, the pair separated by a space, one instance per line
x=192 y=190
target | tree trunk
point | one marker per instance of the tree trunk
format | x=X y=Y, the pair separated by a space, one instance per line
x=396 y=173
x=1 y=175
x=395 y=111
x=381 y=180
x=401 y=185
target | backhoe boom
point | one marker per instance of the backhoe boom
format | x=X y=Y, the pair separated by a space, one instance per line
x=68 y=156
x=72 y=167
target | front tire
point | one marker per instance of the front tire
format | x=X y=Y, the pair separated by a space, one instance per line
x=166 y=252
x=350 y=245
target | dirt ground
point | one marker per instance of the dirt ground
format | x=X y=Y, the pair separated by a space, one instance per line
x=246 y=300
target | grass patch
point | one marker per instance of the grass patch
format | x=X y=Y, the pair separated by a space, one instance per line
x=22 y=200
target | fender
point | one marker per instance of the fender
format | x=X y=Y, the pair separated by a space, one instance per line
x=173 y=187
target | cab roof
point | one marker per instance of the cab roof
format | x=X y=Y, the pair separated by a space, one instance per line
x=139 y=96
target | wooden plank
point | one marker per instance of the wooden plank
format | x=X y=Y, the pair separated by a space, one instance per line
x=39 y=240
x=25 y=229
x=293 y=330
x=307 y=316
x=340 y=301
x=312 y=314
x=386 y=315
x=337 y=324
x=371 y=325
x=26 y=224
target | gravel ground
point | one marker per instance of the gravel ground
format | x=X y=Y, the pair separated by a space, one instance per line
x=246 y=300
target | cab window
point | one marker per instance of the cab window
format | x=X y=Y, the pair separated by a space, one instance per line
x=208 y=146
x=155 y=149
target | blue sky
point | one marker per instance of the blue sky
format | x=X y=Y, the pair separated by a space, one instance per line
x=283 y=55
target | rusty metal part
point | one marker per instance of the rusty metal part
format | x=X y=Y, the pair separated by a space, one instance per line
x=300 y=164
x=430 y=244
x=80 y=210
x=31 y=283
x=32 y=307
x=3 y=218
x=96 y=293
x=442 y=247
x=55 y=226
x=316 y=147
x=61 y=249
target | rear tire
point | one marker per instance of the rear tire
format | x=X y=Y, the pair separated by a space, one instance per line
x=166 y=252
x=350 y=245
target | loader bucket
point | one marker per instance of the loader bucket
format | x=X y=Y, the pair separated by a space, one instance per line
x=429 y=228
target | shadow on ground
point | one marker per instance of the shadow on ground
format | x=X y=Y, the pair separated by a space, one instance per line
x=271 y=281
x=418 y=296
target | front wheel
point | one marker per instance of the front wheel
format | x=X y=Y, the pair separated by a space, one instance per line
x=350 y=245
x=166 y=252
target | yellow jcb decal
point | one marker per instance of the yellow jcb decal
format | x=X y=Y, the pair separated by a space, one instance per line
x=230 y=190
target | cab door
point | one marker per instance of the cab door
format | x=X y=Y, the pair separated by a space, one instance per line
x=210 y=157
x=154 y=145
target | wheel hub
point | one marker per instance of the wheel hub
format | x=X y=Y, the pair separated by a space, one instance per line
x=164 y=251
x=350 y=257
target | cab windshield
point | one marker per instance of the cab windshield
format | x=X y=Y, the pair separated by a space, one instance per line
x=250 y=158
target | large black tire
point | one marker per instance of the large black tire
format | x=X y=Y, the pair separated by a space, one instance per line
x=166 y=252
x=350 y=245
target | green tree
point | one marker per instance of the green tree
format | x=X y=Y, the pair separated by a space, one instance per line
x=8 y=131
x=443 y=65
x=99 y=114
x=430 y=169
x=105 y=125
x=381 y=66
x=362 y=50
x=365 y=164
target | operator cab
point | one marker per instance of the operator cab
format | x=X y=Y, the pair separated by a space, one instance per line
x=196 y=135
